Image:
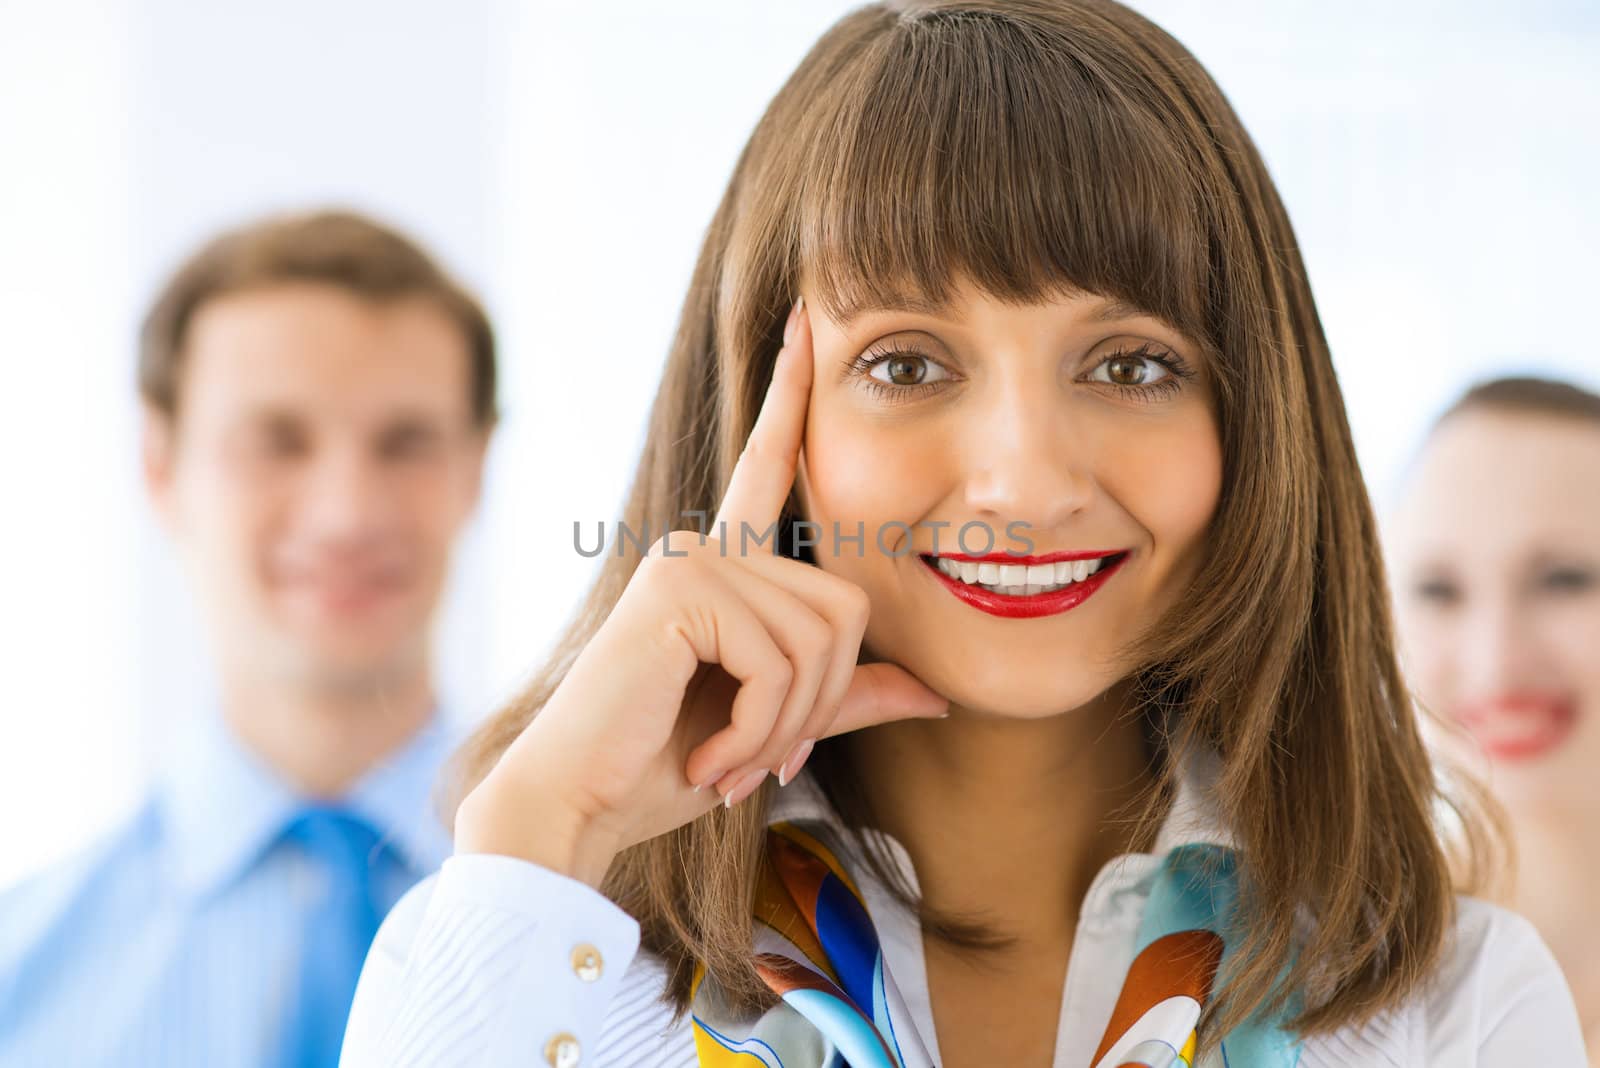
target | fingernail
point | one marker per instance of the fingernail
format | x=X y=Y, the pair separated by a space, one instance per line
x=794 y=761
x=744 y=788
x=708 y=780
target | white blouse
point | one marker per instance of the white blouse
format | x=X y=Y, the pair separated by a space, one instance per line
x=496 y=962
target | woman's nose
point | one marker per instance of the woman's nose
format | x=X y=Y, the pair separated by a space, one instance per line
x=1023 y=460
x=1494 y=654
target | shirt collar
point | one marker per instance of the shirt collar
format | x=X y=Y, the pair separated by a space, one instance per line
x=222 y=805
x=1195 y=816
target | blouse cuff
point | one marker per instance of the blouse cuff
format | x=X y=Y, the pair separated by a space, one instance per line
x=530 y=958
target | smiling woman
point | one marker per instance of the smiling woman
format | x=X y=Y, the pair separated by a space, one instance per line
x=1497 y=552
x=982 y=267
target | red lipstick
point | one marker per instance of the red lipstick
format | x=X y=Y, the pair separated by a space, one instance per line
x=1029 y=606
x=1520 y=726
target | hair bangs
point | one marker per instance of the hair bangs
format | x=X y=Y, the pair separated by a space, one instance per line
x=968 y=147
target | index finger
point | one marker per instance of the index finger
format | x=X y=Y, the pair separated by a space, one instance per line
x=765 y=471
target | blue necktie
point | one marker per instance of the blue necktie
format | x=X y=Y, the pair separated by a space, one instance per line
x=346 y=853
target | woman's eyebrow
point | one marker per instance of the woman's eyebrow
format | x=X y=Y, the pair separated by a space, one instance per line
x=1113 y=310
x=1110 y=310
x=914 y=304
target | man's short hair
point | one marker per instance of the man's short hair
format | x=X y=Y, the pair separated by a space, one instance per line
x=335 y=247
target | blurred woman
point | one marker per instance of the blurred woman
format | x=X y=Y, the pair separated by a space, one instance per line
x=1496 y=551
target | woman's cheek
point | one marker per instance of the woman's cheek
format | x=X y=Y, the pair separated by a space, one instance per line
x=1168 y=477
x=860 y=477
x=1427 y=656
x=1571 y=642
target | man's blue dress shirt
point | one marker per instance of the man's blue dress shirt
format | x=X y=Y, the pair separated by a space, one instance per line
x=176 y=939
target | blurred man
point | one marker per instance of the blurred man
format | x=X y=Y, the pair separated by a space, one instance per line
x=318 y=400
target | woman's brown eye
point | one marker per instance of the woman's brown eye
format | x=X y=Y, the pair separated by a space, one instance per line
x=1127 y=370
x=903 y=371
x=1130 y=370
x=906 y=370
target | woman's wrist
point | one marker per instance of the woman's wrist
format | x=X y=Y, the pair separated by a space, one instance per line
x=538 y=830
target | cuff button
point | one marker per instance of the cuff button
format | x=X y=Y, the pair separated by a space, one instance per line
x=586 y=962
x=561 y=1051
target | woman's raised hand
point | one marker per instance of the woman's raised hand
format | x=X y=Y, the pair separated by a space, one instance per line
x=721 y=662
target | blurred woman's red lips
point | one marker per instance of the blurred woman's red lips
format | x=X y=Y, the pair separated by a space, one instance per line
x=1000 y=583
x=1520 y=726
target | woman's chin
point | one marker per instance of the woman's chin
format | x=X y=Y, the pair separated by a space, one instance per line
x=1550 y=792
x=1006 y=680
x=1004 y=700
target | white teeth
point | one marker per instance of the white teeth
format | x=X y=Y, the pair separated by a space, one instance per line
x=1019 y=580
x=1027 y=589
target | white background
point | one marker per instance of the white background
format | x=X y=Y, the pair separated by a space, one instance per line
x=1438 y=159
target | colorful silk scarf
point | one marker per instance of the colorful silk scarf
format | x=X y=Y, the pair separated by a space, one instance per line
x=817 y=949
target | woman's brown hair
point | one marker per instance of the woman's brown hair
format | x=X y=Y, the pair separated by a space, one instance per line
x=1037 y=147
